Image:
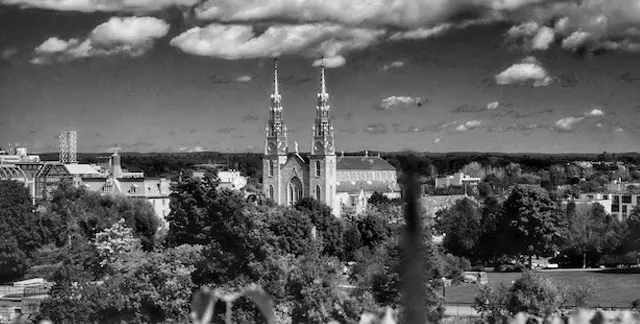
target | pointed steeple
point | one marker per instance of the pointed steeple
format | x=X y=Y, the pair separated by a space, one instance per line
x=276 y=91
x=323 y=85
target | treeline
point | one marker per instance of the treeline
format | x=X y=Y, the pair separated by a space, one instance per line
x=112 y=261
x=431 y=164
x=532 y=222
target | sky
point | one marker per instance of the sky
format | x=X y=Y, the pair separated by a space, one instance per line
x=547 y=76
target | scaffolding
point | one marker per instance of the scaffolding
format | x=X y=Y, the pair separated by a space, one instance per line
x=68 y=147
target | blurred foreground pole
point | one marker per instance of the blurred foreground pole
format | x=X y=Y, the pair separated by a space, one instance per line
x=413 y=272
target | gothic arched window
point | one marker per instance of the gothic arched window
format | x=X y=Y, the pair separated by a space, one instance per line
x=271 y=168
x=318 y=192
x=271 y=191
x=295 y=191
x=317 y=168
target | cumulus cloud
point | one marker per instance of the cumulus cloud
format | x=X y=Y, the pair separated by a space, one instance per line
x=618 y=130
x=240 y=41
x=528 y=71
x=595 y=112
x=493 y=105
x=469 y=125
x=568 y=123
x=129 y=36
x=422 y=33
x=8 y=53
x=196 y=149
x=392 y=65
x=437 y=140
x=376 y=129
x=587 y=24
x=399 y=101
x=244 y=78
x=331 y=62
x=135 y=6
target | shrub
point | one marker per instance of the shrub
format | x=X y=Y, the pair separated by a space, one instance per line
x=579 y=294
x=530 y=293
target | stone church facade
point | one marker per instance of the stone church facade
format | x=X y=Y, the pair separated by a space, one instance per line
x=342 y=182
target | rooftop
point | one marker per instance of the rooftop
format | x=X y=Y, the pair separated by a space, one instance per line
x=363 y=163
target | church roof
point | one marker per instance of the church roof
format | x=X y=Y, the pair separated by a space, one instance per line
x=367 y=186
x=302 y=157
x=363 y=163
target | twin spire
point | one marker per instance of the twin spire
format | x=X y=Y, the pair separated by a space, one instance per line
x=276 y=89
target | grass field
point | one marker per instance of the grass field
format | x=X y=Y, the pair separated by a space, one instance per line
x=614 y=289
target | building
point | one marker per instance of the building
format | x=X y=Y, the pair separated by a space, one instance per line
x=618 y=204
x=342 y=183
x=458 y=179
x=229 y=178
x=131 y=184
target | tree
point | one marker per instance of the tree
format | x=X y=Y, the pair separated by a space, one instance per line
x=632 y=241
x=326 y=224
x=534 y=221
x=377 y=199
x=373 y=229
x=461 y=224
x=17 y=217
x=190 y=217
x=13 y=262
x=534 y=294
x=491 y=242
x=585 y=230
x=292 y=230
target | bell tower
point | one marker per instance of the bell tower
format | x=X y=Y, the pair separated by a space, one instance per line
x=275 y=147
x=322 y=171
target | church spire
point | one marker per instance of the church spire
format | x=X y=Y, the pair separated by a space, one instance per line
x=323 y=86
x=276 y=91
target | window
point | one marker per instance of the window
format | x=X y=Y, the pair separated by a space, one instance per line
x=589 y=197
x=626 y=199
x=624 y=209
x=271 y=168
x=615 y=207
x=271 y=191
x=317 y=168
x=318 y=192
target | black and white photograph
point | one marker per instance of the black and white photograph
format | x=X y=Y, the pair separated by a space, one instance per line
x=319 y=161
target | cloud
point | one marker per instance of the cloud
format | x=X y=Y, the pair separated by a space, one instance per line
x=468 y=109
x=516 y=127
x=568 y=123
x=330 y=62
x=421 y=33
x=437 y=140
x=196 y=149
x=233 y=42
x=493 y=105
x=250 y=118
x=469 y=125
x=8 y=53
x=576 y=40
x=595 y=112
x=403 y=129
x=225 y=130
x=399 y=101
x=376 y=129
x=392 y=65
x=128 y=36
x=618 y=130
x=528 y=71
x=135 y=6
x=244 y=78
x=586 y=25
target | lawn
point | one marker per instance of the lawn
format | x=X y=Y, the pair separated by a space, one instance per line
x=614 y=289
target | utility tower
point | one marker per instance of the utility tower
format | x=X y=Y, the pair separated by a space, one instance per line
x=68 y=147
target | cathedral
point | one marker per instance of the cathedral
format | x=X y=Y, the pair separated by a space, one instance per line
x=342 y=182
